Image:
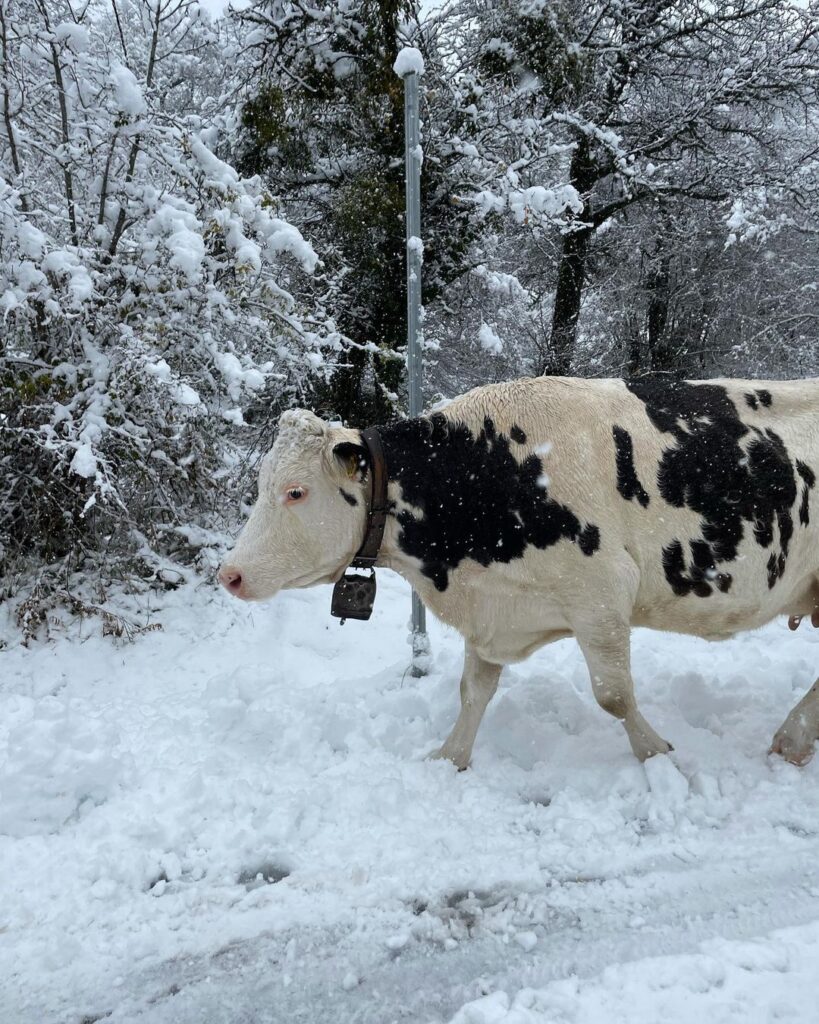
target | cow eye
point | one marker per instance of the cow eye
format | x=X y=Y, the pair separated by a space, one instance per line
x=294 y=493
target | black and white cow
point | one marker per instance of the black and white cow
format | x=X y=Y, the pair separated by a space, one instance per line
x=539 y=509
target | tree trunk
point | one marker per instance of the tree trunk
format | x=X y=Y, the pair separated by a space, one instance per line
x=571 y=277
x=635 y=351
x=659 y=351
x=571 y=274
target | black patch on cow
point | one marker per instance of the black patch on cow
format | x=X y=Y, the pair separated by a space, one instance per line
x=702 y=574
x=808 y=481
x=349 y=498
x=471 y=498
x=759 y=397
x=681 y=581
x=588 y=540
x=776 y=569
x=517 y=435
x=807 y=474
x=727 y=472
x=628 y=483
x=723 y=581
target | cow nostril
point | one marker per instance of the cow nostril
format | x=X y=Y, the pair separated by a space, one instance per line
x=231 y=579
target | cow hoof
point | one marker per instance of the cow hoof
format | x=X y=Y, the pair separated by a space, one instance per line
x=644 y=753
x=442 y=754
x=643 y=739
x=794 y=750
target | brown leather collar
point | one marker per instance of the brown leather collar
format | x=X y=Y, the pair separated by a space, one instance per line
x=377 y=513
x=354 y=594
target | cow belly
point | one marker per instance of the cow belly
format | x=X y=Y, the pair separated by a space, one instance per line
x=721 y=619
x=504 y=631
x=506 y=648
x=749 y=604
x=505 y=615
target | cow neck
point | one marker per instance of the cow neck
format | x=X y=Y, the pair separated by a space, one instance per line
x=367 y=554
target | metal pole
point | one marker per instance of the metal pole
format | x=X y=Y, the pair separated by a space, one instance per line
x=413 y=156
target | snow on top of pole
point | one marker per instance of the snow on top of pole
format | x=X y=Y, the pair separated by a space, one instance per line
x=407 y=61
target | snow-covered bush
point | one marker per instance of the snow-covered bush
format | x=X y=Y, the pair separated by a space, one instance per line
x=146 y=288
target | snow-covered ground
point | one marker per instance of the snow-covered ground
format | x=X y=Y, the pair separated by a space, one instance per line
x=231 y=820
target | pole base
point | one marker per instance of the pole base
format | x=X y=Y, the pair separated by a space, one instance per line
x=420 y=655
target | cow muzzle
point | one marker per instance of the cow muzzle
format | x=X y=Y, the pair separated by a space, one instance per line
x=231 y=578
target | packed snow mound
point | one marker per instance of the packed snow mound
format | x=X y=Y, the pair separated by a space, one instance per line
x=232 y=819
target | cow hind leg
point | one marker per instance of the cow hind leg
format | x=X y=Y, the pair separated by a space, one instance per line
x=606 y=648
x=478 y=684
x=795 y=738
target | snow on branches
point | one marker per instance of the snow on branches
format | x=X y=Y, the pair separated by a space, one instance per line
x=146 y=287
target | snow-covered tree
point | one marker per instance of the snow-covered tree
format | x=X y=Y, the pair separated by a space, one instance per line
x=642 y=103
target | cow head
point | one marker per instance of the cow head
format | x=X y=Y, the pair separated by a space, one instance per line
x=309 y=519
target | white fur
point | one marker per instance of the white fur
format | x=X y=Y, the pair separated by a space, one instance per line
x=285 y=546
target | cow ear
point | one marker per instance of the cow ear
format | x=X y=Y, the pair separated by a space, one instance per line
x=353 y=459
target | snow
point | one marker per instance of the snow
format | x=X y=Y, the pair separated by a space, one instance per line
x=127 y=93
x=159 y=369
x=187 y=251
x=74 y=36
x=732 y=982
x=235 y=376
x=181 y=392
x=415 y=247
x=409 y=60
x=84 y=462
x=536 y=201
x=232 y=819
x=32 y=241
x=216 y=170
x=184 y=394
x=526 y=940
x=64 y=262
x=283 y=237
x=499 y=283
x=489 y=340
x=350 y=981
x=547 y=202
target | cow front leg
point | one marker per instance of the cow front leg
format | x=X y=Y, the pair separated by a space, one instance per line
x=606 y=648
x=795 y=738
x=478 y=684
